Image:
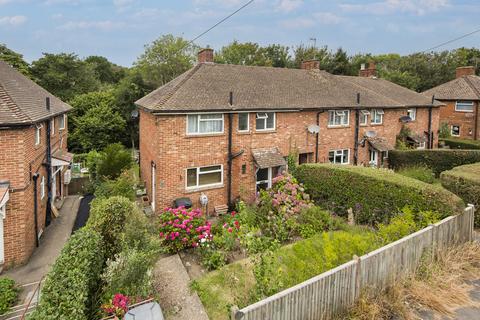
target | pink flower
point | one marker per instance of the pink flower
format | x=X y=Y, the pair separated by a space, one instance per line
x=230 y=230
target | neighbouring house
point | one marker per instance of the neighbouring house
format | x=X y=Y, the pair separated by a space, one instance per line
x=225 y=131
x=33 y=163
x=461 y=97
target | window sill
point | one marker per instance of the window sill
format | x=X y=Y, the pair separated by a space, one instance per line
x=200 y=135
x=198 y=189
x=243 y=132
x=338 y=127
x=461 y=111
x=376 y=124
x=266 y=131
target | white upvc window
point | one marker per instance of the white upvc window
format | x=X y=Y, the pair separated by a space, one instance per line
x=52 y=126
x=200 y=177
x=455 y=130
x=412 y=113
x=339 y=156
x=464 y=106
x=204 y=123
x=337 y=118
x=377 y=116
x=364 y=117
x=42 y=188
x=243 y=122
x=264 y=177
x=265 y=121
x=38 y=134
x=61 y=122
x=421 y=145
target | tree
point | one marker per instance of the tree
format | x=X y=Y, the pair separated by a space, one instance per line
x=14 y=59
x=303 y=53
x=105 y=71
x=64 y=75
x=114 y=160
x=247 y=53
x=277 y=55
x=165 y=59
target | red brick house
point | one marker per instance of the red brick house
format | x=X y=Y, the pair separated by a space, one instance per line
x=226 y=130
x=33 y=162
x=462 y=98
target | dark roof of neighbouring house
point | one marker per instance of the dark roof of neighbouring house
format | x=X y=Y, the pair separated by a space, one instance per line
x=463 y=88
x=22 y=101
x=206 y=87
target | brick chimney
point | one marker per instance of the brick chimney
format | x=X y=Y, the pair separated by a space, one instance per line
x=205 y=56
x=310 y=65
x=368 y=70
x=465 y=71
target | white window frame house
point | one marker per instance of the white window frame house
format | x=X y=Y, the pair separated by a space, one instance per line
x=248 y=122
x=199 y=173
x=412 y=113
x=464 y=106
x=262 y=118
x=338 y=118
x=205 y=123
x=3 y=213
x=341 y=153
x=377 y=116
x=364 y=117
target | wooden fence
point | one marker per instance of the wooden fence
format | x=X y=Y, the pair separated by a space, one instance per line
x=325 y=295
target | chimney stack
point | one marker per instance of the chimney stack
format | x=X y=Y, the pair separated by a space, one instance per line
x=47 y=103
x=465 y=71
x=370 y=71
x=310 y=65
x=205 y=56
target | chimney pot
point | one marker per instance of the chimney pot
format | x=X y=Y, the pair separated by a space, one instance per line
x=465 y=71
x=205 y=56
x=310 y=65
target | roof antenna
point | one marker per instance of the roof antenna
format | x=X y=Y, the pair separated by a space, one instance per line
x=47 y=103
x=231 y=98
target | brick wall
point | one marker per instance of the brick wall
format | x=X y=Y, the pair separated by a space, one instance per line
x=466 y=120
x=163 y=140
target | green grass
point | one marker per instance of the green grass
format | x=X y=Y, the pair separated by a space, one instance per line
x=421 y=173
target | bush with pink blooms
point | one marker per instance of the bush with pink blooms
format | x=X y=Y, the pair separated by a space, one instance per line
x=182 y=228
x=117 y=306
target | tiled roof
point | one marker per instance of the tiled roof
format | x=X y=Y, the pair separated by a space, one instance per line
x=206 y=87
x=463 y=88
x=380 y=144
x=22 y=101
x=63 y=155
x=267 y=158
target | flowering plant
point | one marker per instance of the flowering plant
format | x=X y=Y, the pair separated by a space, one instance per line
x=118 y=306
x=229 y=233
x=182 y=228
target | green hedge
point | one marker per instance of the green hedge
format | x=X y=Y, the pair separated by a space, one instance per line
x=464 y=181
x=375 y=195
x=461 y=143
x=71 y=285
x=8 y=294
x=437 y=159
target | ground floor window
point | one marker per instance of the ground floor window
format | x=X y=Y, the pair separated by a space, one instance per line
x=421 y=145
x=204 y=176
x=455 y=130
x=339 y=156
x=305 y=158
x=265 y=176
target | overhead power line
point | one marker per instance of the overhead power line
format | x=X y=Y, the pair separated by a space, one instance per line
x=452 y=40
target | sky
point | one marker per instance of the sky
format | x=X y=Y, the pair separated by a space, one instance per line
x=119 y=29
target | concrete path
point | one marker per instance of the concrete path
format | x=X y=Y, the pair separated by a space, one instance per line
x=172 y=284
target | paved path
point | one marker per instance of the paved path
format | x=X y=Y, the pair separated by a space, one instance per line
x=172 y=284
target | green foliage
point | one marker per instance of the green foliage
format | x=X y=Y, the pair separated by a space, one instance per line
x=252 y=54
x=213 y=259
x=315 y=220
x=8 y=294
x=14 y=59
x=421 y=173
x=108 y=217
x=114 y=160
x=122 y=186
x=375 y=195
x=401 y=141
x=455 y=143
x=105 y=71
x=444 y=131
x=69 y=289
x=437 y=159
x=464 y=181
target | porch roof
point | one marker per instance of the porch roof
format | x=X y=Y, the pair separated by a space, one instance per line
x=61 y=158
x=267 y=158
x=380 y=144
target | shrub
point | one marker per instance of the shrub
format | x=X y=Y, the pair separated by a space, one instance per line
x=8 y=294
x=69 y=288
x=315 y=220
x=437 y=159
x=421 y=173
x=444 y=131
x=122 y=186
x=455 y=143
x=375 y=195
x=181 y=228
x=114 y=159
x=464 y=181
x=213 y=259
x=108 y=217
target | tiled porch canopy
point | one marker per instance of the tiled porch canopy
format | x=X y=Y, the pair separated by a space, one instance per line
x=380 y=144
x=268 y=158
x=61 y=158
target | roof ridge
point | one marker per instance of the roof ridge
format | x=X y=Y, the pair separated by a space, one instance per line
x=366 y=88
x=474 y=88
x=177 y=86
x=10 y=103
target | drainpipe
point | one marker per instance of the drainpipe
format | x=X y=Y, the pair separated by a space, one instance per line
x=230 y=156
x=430 y=140
x=35 y=213
x=357 y=128
x=317 y=135
x=475 y=127
x=48 y=164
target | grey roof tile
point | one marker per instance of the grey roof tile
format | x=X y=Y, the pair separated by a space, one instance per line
x=463 y=88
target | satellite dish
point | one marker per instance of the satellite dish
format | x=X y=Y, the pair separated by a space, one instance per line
x=370 y=134
x=313 y=128
x=405 y=119
x=134 y=114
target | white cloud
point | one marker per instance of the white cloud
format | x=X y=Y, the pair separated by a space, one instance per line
x=327 y=18
x=288 y=5
x=324 y=18
x=298 y=23
x=419 y=7
x=12 y=20
x=105 y=25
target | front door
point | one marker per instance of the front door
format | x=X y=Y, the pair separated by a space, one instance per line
x=264 y=177
x=3 y=212
x=153 y=186
x=373 y=158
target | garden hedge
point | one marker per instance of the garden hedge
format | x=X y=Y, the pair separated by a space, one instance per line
x=375 y=195
x=71 y=285
x=464 y=181
x=462 y=143
x=437 y=159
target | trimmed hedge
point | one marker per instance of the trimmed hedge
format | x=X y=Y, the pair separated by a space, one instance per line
x=8 y=294
x=464 y=181
x=462 y=143
x=375 y=195
x=70 y=287
x=437 y=159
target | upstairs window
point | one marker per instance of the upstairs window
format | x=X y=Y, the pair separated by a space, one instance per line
x=265 y=121
x=243 y=122
x=464 y=106
x=412 y=113
x=61 y=122
x=339 y=156
x=377 y=116
x=204 y=176
x=52 y=126
x=364 y=117
x=38 y=135
x=204 y=123
x=338 y=118
x=42 y=188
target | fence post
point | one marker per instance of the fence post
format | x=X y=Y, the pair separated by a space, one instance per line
x=235 y=313
x=357 y=275
x=434 y=241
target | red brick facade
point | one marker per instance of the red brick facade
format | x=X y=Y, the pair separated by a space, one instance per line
x=464 y=120
x=20 y=159
x=164 y=142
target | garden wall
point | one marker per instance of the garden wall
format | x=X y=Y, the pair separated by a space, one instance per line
x=333 y=291
x=375 y=195
x=437 y=159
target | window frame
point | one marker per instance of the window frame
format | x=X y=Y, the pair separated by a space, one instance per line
x=365 y=114
x=465 y=102
x=451 y=130
x=265 y=121
x=248 y=122
x=335 y=154
x=197 y=178
x=38 y=134
x=346 y=116
x=52 y=126
x=199 y=120
x=376 y=112
x=61 y=125
x=411 y=111
x=42 y=188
